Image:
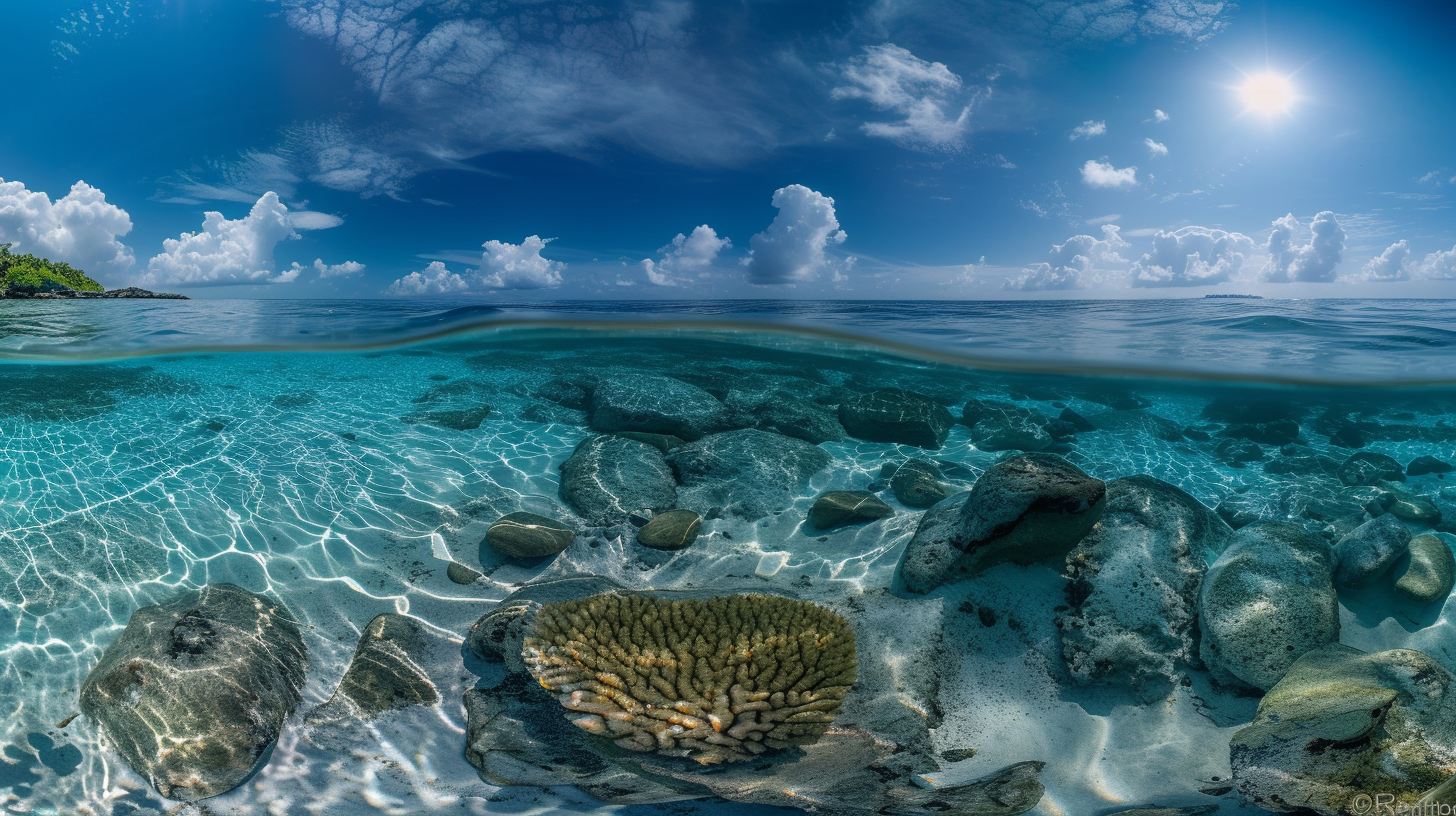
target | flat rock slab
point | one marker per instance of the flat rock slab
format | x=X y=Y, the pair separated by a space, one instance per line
x=896 y=415
x=195 y=692
x=1267 y=600
x=1368 y=468
x=608 y=478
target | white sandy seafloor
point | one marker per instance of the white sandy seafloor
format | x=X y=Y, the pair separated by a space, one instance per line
x=232 y=468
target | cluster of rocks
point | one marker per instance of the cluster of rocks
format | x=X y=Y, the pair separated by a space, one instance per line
x=617 y=692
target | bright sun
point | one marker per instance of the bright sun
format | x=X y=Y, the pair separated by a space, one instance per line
x=1267 y=94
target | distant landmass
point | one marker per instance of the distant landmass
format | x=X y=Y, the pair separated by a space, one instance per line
x=27 y=277
x=1237 y=297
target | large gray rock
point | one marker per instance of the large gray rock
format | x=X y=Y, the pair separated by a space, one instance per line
x=996 y=433
x=1267 y=600
x=748 y=473
x=663 y=405
x=786 y=411
x=527 y=535
x=1342 y=724
x=385 y=673
x=1430 y=573
x=195 y=692
x=1023 y=509
x=1366 y=552
x=1134 y=586
x=896 y=415
x=608 y=478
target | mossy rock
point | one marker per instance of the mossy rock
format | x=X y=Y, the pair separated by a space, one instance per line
x=527 y=535
x=1430 y=573
x=673 y=530
x=838 y=508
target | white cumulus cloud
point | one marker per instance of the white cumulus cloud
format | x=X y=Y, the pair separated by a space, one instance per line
x=434 y=279
x=1192 y=256
x=1081 y=260
x=224 y=251
x=1087 y=130
x=1391 y=265
x=1159 y=116
x=326 y=270
x=1439 y=265
x=926 y=95
x=791 y=250
x=1103 y=174
x=1314 y=261
x=519 y=266
x=81 y=228
x=1156 y=148
x=687 y=254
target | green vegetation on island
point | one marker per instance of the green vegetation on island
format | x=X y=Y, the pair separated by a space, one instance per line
x=28 y=270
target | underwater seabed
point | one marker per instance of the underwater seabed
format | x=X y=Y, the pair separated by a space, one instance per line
x=340 y=486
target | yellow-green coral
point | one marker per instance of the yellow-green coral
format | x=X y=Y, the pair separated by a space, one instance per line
x=715 y=680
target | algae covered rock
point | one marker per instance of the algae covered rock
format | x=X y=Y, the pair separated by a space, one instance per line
x=840 y=507
x=1133 y=593
x=1366 y=552
x=527 y=535
x=748 y=473
x=673 y=530
x=608 y=478
x=195 y=692
x=1431 y=571
x=385 y=673
x=1023 y=509
x=896 y=415
x=1265 y=602
x=1342 y=724
x=718 y=680
x=653 y=404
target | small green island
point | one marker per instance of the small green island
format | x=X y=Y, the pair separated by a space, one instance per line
x=29 y=277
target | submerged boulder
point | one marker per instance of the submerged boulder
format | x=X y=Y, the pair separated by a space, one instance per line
x=1134 y=586
x=840 y=507
x=1423 y=465
x=608 y=478
x=786 y=411
x=917 y=484
x=527 y=535
x=1343 y=724
x=748 y=473
x=653 y=404
x=195 y=692
x=1431 y=571
x=673 y=530
x=1366 y=552
x=384 y=674
x=1369 y=468
x=1023 y=509
x=1267 y=600
x=896 y=415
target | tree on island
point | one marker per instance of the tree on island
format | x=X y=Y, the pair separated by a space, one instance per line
x=46 y=275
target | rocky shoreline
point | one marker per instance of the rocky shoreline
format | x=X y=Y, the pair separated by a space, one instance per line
x=17 y=292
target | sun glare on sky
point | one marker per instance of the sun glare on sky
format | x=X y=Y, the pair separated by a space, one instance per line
x=1267 y=94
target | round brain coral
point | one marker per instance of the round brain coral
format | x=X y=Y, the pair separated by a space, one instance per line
x=716 y=680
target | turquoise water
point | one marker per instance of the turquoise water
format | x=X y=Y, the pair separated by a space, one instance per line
x=328 y=476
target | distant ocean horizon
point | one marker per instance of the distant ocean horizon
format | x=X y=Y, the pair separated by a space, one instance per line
x=1319 y=341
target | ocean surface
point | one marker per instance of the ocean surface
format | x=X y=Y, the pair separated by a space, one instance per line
x=335 y=456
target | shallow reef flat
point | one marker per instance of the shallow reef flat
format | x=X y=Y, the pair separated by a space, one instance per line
x=550 y=570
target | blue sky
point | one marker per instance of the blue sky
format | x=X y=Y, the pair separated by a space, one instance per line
x=864 y=149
